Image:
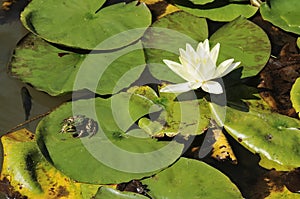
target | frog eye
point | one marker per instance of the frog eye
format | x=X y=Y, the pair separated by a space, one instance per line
x=268 y=137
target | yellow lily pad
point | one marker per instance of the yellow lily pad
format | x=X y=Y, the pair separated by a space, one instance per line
x=32 y=176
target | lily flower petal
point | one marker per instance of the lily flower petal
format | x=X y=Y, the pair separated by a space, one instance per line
x=178 y=69
x=206 y=68
x=226 y=67
x=180 y=88
x=212 y=87
x=188 y=59
x=190 y=68
x=202 y=52
x=230 y=68
x=214 y=53
x=203 y=46
x=223 y=66
x=206 y=45
x=199 y=69
x=189 y=49
x=190 y=53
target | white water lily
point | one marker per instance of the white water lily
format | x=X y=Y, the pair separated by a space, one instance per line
x=199 y=69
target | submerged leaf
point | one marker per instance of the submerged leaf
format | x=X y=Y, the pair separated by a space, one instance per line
x=221 y=149
x=284 y=193
x=276 y=185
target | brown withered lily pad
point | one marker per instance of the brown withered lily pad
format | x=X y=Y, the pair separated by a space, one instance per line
x=277 y=79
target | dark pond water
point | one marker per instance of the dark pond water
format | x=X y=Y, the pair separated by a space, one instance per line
x=11 y=107
x=12 y=112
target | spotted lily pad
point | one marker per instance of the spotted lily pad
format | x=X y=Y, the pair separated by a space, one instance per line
x=239 y=40
x=32 y=176
x=84 y=23
x=57 y=71
x=166 y=36
x=284 y=14
x=112 y=155
x=273 y=136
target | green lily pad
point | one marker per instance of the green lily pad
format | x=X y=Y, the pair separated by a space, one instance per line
x=57 y=71
x=218 y=10
x=284 y=14
x=185 y=118
x=111 y=155
x=239 y=1
x=110 y=193
x=166 y=36
x=295 y=95
x=80 y=23
x=201 y=2
x=179 y=115
x=239 y=40
x=273 y=136
x=189 y=178
x=145 y=91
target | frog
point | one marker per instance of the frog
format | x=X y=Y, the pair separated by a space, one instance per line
x=79 y=126
x=134 y=186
